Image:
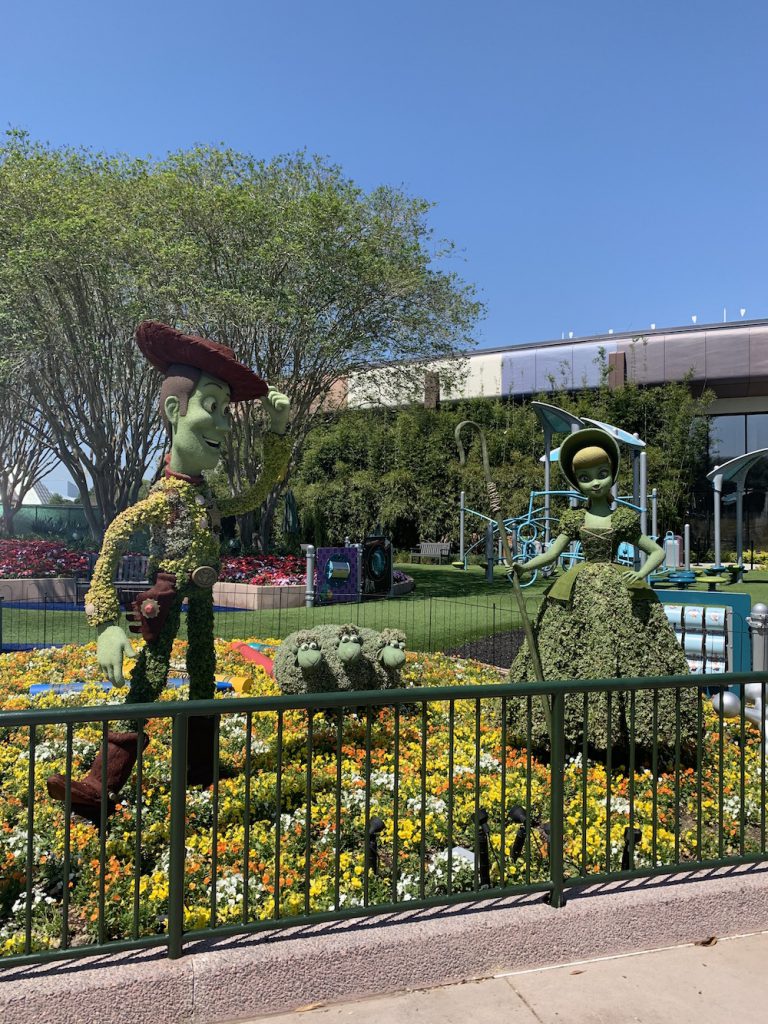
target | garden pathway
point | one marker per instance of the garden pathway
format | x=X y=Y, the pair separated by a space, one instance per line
x=721 y=983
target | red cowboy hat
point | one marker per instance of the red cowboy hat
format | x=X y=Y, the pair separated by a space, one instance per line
x=163 y=346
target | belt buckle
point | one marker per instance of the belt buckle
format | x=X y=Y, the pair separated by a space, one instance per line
x=204 y=576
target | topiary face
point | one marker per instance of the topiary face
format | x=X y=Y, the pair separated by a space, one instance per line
x=392 y=651
x=350 y=644
x=308 y=653
x=198 y=434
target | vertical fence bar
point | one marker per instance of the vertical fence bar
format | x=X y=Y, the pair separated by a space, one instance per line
x=102 y=898
x=503 y=758
x=608 y=777
x=423 y=796
x=631 y=838
x=215 y=826
x=278 y=811
x=479 y=880
x=557 y=791
x=721 y=783
x=451 y=726
x=67 y=839
x=584 y=760
x=655 y=776
x=528 y=794
x=308 y=815
x=247 y=816
x=367 y=810
x=178 y=836
x=30 y=840
x=396 y=806
x=677 y=775
x=699 y=766
x=137 y=842
x=337 y=822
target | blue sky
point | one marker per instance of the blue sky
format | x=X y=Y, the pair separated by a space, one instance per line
x=599 y=165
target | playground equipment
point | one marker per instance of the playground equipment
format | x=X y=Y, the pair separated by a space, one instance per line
x=734 y=471
x=532 y=531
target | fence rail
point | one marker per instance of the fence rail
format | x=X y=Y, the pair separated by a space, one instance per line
x=357 y=803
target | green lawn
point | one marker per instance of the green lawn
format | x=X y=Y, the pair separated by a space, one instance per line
x=448 y=608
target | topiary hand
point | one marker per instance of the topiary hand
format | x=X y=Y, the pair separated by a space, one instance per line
x=111 y=647
x=278 y=408
x=632 y=577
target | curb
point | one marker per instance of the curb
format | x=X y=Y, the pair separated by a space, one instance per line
x=247 y=976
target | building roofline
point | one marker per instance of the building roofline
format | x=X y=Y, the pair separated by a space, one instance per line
x=617 y=336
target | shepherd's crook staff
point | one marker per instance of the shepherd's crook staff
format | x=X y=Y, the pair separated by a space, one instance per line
x=495 y=503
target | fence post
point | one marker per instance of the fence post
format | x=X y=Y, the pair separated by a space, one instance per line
x=557 y=792
x=178 y=836
x=2 y=598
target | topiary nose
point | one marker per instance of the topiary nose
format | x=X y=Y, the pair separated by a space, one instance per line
x=392 y=657
x=309 y=659
x=349 y=651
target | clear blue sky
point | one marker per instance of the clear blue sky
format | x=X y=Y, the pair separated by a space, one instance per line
x=600 y=164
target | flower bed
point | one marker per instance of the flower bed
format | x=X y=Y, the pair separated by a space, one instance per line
x=264 y=571
x=27 y=559
x=420 y=756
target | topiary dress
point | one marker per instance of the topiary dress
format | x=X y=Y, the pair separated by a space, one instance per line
x=593 y=625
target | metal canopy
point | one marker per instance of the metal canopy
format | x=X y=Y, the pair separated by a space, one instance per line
x=738 y=467
x=558 y=420
x=623 y=436
x=733 y=471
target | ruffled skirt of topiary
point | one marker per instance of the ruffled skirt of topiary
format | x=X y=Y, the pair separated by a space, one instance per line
x=607 y=632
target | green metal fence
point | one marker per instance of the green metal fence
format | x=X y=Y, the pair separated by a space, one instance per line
x=358 y=803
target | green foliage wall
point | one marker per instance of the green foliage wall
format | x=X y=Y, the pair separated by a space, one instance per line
x=400 y=468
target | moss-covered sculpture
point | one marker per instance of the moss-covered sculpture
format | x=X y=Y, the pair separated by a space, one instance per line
x=601 y=621
x=201 y=379
x=333 y=658
x=384 y=653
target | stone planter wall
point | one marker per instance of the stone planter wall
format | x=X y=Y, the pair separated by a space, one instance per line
x=243 y=595
x=55 y=589
x=398 y=589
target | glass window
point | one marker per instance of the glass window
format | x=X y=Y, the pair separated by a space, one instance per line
x=757 y=431
x=727 y=438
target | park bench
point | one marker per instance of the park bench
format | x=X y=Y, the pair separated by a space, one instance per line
x=432 y=550
x=130 y=578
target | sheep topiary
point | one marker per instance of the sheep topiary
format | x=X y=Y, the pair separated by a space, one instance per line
x=384 y=655
x=333 y=658
x=299 y=666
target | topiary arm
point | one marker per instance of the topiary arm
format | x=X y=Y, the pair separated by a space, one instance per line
x=277 y=452
x=101 y=603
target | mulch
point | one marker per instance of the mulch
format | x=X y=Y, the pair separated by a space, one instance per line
x=499 y=649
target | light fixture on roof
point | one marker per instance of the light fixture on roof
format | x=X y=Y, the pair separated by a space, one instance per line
x=653 y=327
x=742 y=311
x=610 y=330
x=570 y=334
x=693 y=318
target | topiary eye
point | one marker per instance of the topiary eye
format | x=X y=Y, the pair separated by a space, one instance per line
x=345 y=638
x=401 y=645
x=314 y=646
x=305 y=646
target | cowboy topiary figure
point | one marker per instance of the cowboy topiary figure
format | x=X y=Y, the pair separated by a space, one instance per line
x=201 y=378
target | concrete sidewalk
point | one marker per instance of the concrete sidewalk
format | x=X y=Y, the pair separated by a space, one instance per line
x=363 y=960
x=720 y=983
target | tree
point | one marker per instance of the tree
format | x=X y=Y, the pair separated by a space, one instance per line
x=76 y=274
x=26 y=456
x=308 y=278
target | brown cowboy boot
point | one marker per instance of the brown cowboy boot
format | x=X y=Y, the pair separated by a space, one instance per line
x=122 y=751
